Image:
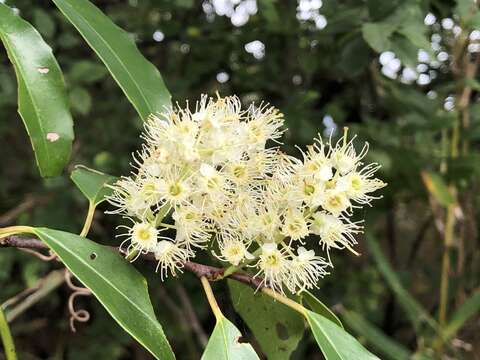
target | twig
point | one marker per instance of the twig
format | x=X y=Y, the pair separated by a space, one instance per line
x=211 y=273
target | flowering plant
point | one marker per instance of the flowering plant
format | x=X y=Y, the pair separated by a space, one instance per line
x=211 y=179
x=253 y=206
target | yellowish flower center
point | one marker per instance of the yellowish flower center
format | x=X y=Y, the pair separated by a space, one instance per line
x=175 y=189
x=271 y=260
x=144 y=234
x=308 y=189
x=239 y=171
x=335 y=201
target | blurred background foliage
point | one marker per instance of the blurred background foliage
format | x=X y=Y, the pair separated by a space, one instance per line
x=402 y=74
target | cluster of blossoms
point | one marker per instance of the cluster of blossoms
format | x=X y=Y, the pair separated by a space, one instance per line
x=205 y=178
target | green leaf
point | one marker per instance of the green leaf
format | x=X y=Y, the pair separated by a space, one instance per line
x=92 y=183
x=320 y=308
x=377 y=35
x=463 y=313
x=336 y=343
x=224 y=343
x=139 y=79
x=437 y=187
x=80 y=100
x=277 y=328
x=414 y=311
x=120 y=288
x=42 y=101
x=382 y=343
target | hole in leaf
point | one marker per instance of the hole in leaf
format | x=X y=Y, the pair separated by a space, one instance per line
x=93 y=256
x=282 y=331
x=241 y=340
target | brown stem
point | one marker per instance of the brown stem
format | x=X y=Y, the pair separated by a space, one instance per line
x=211 y=273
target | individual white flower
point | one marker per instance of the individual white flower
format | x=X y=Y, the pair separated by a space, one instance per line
x=334 y=232
x=150 y=190
x=232 y=249
x=171 y=258
x=210 y=179
x=345 y=157
x=310 y=190
x=295 y=225
x=336 y=201
x=264 y=124
x=359 y=184
x=141 y=238
x=317 y=162
x=127 y=199
x=305 y=270
x=239 y=172
x=273 y=265
x=174 y=188
x=192 y=229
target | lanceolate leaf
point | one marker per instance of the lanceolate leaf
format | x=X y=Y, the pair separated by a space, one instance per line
x=336 y=343
x=414 y=311
x=468 y=309
x=320 y=308
x=42 y=101
x=139 y=79
x=224 y=344
x=92 y=183
x=277 y=328
x=120 y=288
x=437 y=187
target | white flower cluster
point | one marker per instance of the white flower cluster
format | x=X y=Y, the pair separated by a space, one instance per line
x=207 y=177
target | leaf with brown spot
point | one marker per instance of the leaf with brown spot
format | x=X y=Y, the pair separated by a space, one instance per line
x=42 y=100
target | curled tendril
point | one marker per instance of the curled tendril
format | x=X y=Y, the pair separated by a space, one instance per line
x=80 y=315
